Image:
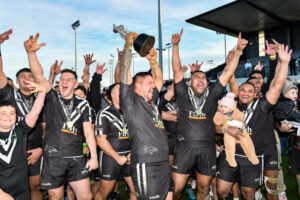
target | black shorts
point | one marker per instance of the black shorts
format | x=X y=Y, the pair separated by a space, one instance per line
x=96 y=171
x=172 y=146
x=152 y=180
x=294 y=155
x=58 y=171
x=271 y=157
x=110 y=170
x=23 y=196
x=245 y=173
x=188 y=158
x=34 y=169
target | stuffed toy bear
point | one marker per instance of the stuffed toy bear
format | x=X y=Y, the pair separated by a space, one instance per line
x=229 y=115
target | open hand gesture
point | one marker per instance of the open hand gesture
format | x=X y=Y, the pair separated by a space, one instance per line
x=36 y=87
x=55 y=68
x=176 y=38
x=271 y=51
x=88 y=58
x=31 y=45
x=5 y=36
x=100 y=69
x=283 y=53
x=196 y=66
x=242 y=43
x=258 y=67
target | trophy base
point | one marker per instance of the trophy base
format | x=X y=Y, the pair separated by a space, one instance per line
x=143 y=44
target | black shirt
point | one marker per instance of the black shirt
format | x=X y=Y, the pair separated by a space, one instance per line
x=110 y=122
x=13 y=164
x=193 y=127
x=148 y=136
x=256 y=124
x=64 y=137
x=23 y=105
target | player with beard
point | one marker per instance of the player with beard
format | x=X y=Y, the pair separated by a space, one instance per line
x=68 y=122
x=256 y=112
x=149 y=145
x=23 y=100
x=197 y=105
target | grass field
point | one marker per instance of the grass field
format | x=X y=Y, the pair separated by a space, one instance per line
x=289 y=180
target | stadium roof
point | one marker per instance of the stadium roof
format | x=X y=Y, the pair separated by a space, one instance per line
x=248 y=16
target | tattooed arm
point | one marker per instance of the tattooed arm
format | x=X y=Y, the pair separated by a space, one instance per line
x=125 y=75
x=155 y=69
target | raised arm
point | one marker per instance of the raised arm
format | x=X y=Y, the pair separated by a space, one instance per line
x=88 y=58
x=33 y=115
x=155 y=69
x=233 y=63
x=125 y=75
x=3 y=79
x=117 y=70
x=176 y=63
x=281 y=73
x=31 y=46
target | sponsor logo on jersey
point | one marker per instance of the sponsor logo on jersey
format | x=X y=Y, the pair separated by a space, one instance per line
x=150 y=150
x=197 y=116
x=69 y=128
x=124 y=134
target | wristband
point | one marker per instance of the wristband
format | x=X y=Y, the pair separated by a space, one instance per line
x=128 y=45
x=224 y=128
x=153 y=63
x=273 y=57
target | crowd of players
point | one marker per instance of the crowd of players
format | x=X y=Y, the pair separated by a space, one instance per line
x=51 y=135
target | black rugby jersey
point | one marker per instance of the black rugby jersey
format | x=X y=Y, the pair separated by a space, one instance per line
x=197 y=127
x=13 y=163
x=22 y=103
x=64 y=137
x=255 y=122
x=170 y=126
x=148 y=137
x=110 y=122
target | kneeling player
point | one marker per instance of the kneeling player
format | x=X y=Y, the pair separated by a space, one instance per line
x=113 y=139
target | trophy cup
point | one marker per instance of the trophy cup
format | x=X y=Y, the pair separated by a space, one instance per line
x=142 y=44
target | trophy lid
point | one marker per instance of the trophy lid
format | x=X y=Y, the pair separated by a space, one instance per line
x=143 y=44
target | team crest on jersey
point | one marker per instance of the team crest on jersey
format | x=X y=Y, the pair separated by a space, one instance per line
x=158 y=123
x=69 y=128
x=198 y=115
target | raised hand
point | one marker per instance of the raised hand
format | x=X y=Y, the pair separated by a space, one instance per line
x=170 y=92
x=5 y=36
x=36 y=87
x=196 y=66
x=283 y=53
x=88 y=58
x=100 y=69
x=152 y=56
x=230 y=54
x=55 y=68
x=31 y=45
x=258 y=67
x=271 y=51
x=176 y=38
x=184 y=68
x=242 y=43
x=130 y=37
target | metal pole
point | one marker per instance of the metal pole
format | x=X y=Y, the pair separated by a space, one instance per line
x=160 y=36
x=169 y=63
x=76 y=50
x=225 y=46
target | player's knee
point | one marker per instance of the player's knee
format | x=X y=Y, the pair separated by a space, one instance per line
x=85 y=196
x=222 y=192
x=204 y=189
x=248 y=194
x=271 y=185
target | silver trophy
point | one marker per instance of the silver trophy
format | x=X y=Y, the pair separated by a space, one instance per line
x=142 y=44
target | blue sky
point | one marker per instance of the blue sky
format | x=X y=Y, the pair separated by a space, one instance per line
x=53 y=19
